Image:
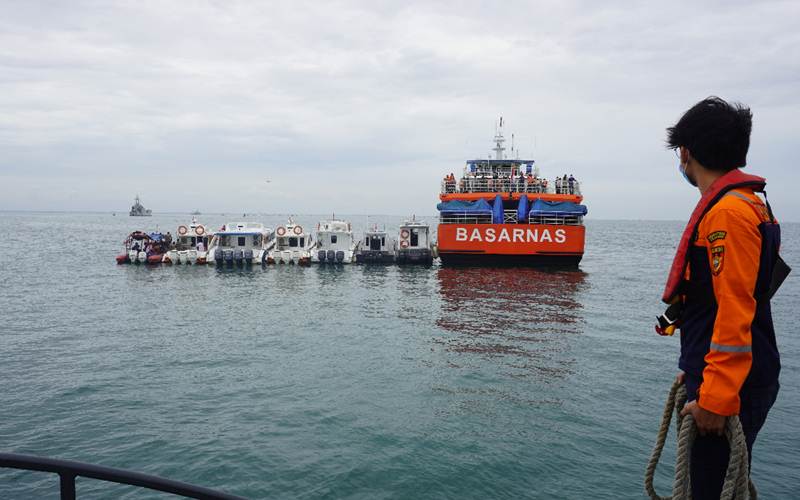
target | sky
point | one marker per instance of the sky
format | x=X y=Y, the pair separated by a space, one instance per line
x=362 y=107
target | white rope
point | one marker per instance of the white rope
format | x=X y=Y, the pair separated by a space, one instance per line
x=737 y=478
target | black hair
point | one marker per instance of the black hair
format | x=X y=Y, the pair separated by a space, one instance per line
x=716 y=133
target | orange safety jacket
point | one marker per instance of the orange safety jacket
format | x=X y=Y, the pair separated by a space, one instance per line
x=727 y=336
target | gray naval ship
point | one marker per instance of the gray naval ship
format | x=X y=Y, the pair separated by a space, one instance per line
x=138 y=210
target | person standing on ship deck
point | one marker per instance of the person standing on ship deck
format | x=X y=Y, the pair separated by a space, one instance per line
x=721 y=277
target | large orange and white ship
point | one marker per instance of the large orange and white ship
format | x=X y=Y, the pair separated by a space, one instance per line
x=501 y=212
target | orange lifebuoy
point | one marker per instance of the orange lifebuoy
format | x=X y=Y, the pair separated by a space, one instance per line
x=404 y=234
x=281 y=231
x=199 y=230
x=182 y=230
x=298 y=230
x=404 y=244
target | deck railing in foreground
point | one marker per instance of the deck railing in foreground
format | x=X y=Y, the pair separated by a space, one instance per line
x=68 y=470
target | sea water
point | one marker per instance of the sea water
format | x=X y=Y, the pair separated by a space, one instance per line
x=351 y=382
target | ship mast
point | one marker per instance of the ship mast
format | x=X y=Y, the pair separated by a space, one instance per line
x=499 y=140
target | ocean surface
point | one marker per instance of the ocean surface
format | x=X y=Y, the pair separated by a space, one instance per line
x=353 y=382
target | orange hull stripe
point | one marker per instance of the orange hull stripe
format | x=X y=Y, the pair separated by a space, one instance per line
x=511 y=239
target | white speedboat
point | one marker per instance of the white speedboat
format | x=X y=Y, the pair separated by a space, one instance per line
x=191 y=245
x=293 y=245
x=240 y=244
x=335 y=243
x=415 y=244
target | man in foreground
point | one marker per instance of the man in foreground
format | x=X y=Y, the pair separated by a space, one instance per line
x=720 y=284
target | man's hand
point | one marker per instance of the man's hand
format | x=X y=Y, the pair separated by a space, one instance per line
x=680 y=377
x=707 y=422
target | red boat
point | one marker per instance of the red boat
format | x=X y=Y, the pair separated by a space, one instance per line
x=501 y=212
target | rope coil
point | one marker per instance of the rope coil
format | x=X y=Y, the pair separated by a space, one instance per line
x=737 y=477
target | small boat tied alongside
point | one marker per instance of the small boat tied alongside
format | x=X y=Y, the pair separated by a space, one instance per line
x=240 y=244
x=190 y=246
x=501 y=212
x=335 y=243
x=143 y=248
x=377 y=247
x=292 y=245
x=415 y=245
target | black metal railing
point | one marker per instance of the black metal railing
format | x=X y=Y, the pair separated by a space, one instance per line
x=68 y=470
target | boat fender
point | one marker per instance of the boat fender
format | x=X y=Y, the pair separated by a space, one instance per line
x=298 y=230
x=182 y=230
x=404 y=234
x=339 y=256
x=321 y=255
x=331 y=255
x=281 y=231
x=200 y=230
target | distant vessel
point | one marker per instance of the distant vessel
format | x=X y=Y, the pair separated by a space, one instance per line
x=196 y=212
x=501 y=212
x=138 y=210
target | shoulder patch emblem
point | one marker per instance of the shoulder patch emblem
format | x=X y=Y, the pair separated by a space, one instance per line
x=716 y=235
x=717 y=259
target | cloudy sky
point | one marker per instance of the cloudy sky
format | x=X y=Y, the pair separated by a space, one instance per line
x=362 y=107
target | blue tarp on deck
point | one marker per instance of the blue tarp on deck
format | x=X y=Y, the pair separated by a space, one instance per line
x=458 y=206
x=523 y=208
x=497 y=210
x=556 y=208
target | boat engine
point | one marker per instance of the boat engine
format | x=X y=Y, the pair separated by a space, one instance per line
x=248 y=256
x=218 y=256
x=331 y=256
x=237 y=257
x=321 y=255
x=339 y=256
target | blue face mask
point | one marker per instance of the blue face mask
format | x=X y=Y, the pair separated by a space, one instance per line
x=682 y=170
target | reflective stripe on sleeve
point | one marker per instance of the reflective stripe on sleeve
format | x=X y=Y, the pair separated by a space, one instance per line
x=731 y=348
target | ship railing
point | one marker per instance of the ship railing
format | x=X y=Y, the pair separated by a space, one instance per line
x=479 y=185
x=563 y=220
x=68 y=470
x=566 y=187
x=464 y=218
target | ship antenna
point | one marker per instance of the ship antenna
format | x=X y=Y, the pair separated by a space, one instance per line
x=499 y=140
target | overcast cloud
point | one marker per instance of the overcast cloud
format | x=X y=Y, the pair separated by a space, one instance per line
x=362 y=107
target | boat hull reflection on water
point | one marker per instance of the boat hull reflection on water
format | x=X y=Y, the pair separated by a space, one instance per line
x=528 y=316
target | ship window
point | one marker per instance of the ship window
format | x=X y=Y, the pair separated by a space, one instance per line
x=333 y=238
x=366 y=240
x=292 y=241
x=194 y=241
x=414 y=237
x=302 y=242
x=223 y=241
x=241 y=241
x=383 y=241
x=256 y=240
